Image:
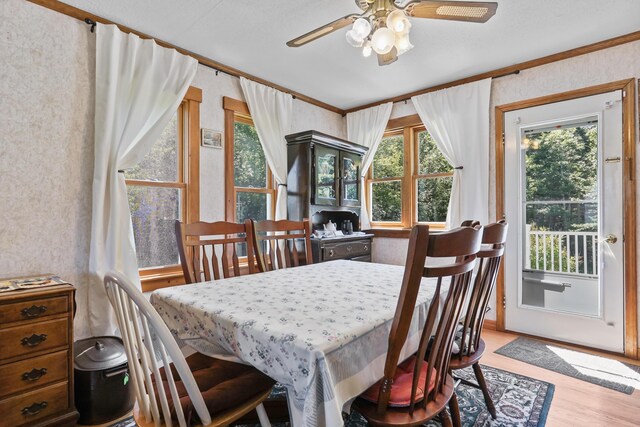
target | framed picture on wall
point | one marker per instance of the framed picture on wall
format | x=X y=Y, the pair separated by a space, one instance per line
x=211 y=138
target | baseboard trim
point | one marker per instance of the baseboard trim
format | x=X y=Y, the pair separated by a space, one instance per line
x=489 y=324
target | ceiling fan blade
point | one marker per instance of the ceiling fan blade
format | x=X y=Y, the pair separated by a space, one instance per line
x=323 y=31
x=388 y=58
x=468 y=11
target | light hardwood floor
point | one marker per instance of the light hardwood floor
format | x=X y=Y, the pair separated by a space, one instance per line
x=575 y=403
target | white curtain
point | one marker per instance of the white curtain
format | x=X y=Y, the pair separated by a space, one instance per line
x=458 y=120
x=271 y=112
x=366 y=127
x=139 y=86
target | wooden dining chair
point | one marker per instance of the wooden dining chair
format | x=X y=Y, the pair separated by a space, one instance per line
x=420 y=388
x=211 y=250
x=282 y=244
x=196 y=390
x=469 y=346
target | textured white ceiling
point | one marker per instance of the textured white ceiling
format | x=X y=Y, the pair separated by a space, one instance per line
x=250 y=35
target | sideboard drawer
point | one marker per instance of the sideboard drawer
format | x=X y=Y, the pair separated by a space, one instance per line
x=347 y=249
x=34 y=337
x=27 y=408
x=34 y=372
x=33 y=309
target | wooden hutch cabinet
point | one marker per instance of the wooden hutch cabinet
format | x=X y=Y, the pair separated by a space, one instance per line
x=323 y=184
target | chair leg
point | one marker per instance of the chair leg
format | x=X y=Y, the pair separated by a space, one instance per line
x=445 y=418
x=455 y=410
x=262 y=416
x=485 y=391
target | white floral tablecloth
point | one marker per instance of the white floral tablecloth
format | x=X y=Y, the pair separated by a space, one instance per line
x=320 y=330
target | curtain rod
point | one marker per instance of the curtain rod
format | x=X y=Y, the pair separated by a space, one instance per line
x=92 y=24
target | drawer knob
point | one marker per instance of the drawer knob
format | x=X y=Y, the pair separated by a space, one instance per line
x=366 y=247
x=349 y=248
x=34 y=311
x=330 y=252
x=35 y=408
x=34 y=374
x=34 y=340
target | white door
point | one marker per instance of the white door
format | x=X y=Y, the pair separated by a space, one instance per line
x=563 y=200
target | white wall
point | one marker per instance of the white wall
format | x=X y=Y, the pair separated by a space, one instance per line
x=604 y=66
x=47 y=74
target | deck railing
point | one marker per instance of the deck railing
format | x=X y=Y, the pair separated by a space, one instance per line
x=573 y=252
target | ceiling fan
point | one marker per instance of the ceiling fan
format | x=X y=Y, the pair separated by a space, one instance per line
x=384 y=26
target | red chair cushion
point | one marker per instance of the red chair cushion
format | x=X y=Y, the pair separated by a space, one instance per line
x=401 y=387
x=223 y=385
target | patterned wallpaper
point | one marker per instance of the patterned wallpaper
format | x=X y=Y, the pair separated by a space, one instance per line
x=47 y=73
x=46 y=152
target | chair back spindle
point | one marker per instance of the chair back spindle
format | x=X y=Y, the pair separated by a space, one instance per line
x=138 y=321
x=282 y=244
x=212 y=251
x=459 y=247
x=489 y=259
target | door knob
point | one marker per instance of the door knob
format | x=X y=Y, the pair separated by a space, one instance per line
x=611 y=239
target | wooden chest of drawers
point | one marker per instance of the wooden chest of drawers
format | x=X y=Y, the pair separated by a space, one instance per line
x=36 y=357
x=357 y=248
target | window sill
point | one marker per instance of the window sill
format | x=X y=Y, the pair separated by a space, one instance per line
x=394 y=233
x=401 y=233
x=152 y=282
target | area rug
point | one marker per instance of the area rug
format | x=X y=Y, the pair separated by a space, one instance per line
x=587 y=367
x=520 y=402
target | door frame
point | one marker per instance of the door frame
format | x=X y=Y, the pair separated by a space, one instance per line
x=628 y=87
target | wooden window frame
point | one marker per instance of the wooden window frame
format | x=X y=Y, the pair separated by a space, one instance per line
x=416 y=176
x=409 y=127
x=238 y=111
x=405 y=183
x=188 y=180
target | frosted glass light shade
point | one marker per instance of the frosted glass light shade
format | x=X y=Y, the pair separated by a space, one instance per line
x=383 y=40
x=361 y=28
x=398 y=21
x=366 y=49
x=353 y=39
x=403 y=44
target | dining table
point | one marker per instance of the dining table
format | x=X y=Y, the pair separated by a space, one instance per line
x=320 y=330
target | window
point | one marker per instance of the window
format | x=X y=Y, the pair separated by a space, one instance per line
x=433 y=180
x=409 y=180
x=164 y=187
x=250 y=185
x=387 y=176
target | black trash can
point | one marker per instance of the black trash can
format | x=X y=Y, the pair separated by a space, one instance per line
x=103 y=391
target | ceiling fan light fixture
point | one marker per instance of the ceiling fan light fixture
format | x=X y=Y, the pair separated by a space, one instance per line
x=383 y=40
x=353 y=39
x=362 y=28
x=403 y=43
x=398 y=21
x=367 y=49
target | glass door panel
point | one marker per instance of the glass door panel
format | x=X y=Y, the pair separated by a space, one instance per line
x=326 y=176
x=350 y=179
x=560 y=205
